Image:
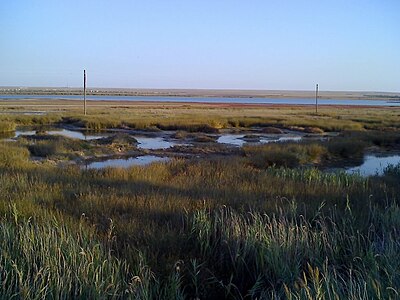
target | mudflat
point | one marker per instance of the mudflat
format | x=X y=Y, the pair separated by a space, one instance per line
x=362 y=95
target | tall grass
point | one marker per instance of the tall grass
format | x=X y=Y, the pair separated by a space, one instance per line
x=12 y=155
x=7 y=126
x=288 y=256
x=50 y=260
x=286 y=154
x=208 y=229
x=209 y=117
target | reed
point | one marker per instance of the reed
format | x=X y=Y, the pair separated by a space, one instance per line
x=7 y=126
x=217 y=228
x=208 y=117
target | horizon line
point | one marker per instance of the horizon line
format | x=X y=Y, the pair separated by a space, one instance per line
x=196 y=89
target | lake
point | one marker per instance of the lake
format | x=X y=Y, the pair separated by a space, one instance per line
x=374 y=165
x=238 y=139
x=235 y=100
x=125 y=162
x=64 y=132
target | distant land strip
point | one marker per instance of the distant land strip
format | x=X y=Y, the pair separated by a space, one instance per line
x=227 y=93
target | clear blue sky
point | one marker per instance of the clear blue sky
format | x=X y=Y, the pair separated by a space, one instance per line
x=254 y=44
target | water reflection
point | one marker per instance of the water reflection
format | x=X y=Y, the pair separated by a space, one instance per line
x=231 y=139
x=63 y=132
x=76 y=134
x=281 y=139
x=24 y=133
x=374 y=165
x=238 y=139
x=153 y=143
x=125 y=163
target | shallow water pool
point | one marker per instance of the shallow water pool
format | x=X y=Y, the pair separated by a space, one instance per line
x=374 y=165
x=125 y=163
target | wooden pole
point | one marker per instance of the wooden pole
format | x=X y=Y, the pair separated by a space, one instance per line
x=84 y=92
x=316 y=100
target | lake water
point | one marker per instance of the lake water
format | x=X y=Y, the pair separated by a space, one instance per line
x=25 y=113
x=152 y=143
x=24 y=132
x=125 y=163
x=374 y=165
x=232 y=139
x=238 y=139
x=63 y=132
x=281 y=139
x=239 y=100
x=76 y=134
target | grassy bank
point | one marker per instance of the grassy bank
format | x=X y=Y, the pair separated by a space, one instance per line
x=259 y=223
x=7 y=126
x=207 y=229
x=202 y=117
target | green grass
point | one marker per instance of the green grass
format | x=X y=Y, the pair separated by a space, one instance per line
x=214 y=229
x=7 y=126
x=255 y=226
x=46 y=148
x=284 y=155
x=206 y=117
x=284 y=255
x=59 y=147
x=49 y=259
x=12 y=155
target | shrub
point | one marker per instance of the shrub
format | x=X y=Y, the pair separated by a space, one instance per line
x=275 y=158
x=284 y=155
x=12 y=155
x=7 y=126
x=272 y=130
x=50 y=260
x=315 y=130
x=180 y=135
x=346 y=148
x=46 y=148
x=202 y=138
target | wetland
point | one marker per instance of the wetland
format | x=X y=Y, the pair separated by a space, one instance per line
x=200 y=201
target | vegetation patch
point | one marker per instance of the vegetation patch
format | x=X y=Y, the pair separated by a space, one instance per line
x=13 y=155
x=284 y=154
x=195 y=229
x=117 y=139
x=314 y=130
x=272 y=130
x=202 y=138
x=7 y=126
x=254 y=225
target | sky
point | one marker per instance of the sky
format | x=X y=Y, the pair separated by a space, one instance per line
x=349 y=45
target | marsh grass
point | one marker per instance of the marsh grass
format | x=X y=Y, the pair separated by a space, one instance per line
x=7 y=126
x=346 y=148
x=284 y=154
x=374 y=137
x=29 y=120
x=52 y=260
x=215 y=229
x=13 y=155
x=46 y=148
x=61 y=147
x=210 y=118
x=284 y=255
x=240 y=227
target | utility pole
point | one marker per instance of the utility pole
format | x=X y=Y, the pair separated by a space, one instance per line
x=84 y=92
x=316 y=99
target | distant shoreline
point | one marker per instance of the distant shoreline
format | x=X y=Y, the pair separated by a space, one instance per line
x=205 y=93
